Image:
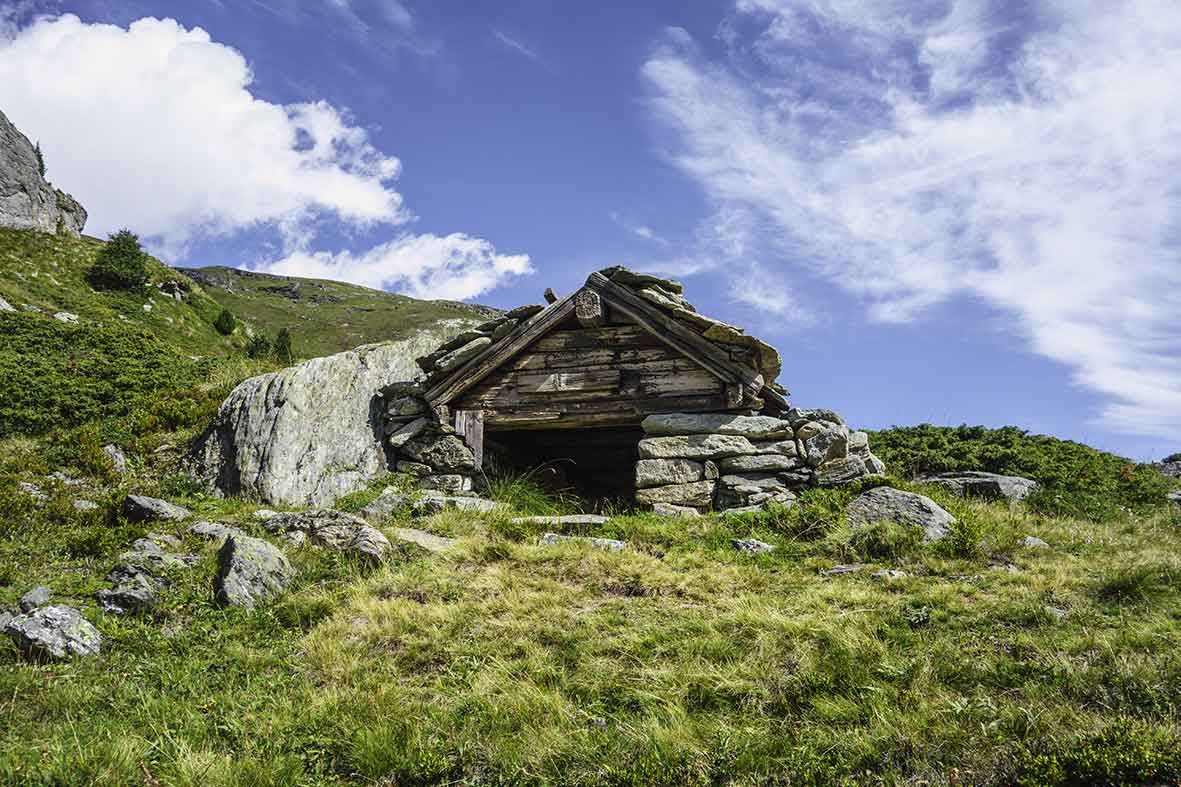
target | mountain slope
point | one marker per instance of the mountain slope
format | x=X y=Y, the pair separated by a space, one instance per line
x=324 y=316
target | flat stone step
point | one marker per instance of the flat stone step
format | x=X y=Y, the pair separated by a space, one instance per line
x=428 y=541
x=568 y=519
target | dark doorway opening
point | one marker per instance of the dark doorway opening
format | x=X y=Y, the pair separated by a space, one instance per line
x=598 y=465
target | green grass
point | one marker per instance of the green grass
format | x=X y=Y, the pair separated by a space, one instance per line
x=324 y=316
x=677 y=661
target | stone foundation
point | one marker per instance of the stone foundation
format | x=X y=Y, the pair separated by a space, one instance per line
x=724 y=462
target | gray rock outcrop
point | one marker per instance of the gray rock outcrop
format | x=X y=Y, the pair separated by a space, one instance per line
x=309 y=434
x=37 y=597
x=886 y=504
x=335 y=530
x=138 y=508
x=609 y=544
x=991 y=486
x=53 y=632
x=250 y=572
x=27 y=200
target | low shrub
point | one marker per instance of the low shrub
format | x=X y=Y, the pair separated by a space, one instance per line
x=1073 y=479
x=1127 y=752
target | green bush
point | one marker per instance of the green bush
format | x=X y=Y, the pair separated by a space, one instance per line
x=57 y=376
x=260 y=346
x=121 y=264
x=1073 y=479
x=1127 y=752
x=225 y=322
x=283 y=352
x=885 y=541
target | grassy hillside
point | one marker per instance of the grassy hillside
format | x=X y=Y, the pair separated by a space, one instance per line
x=49 y=272
x=324 y=316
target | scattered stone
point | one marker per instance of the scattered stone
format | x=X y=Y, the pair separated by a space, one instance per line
x=752 y=546
x=134 y=594
x=845 y=568
x=263 y=514
x=524 y=312
x=609 y=544
x=707 y=446
x=85 y=505
x=906 y=508
x=630 y=278
x=831 y=441
x=117 y=457
x=797 y=416
x=1174 y=497
x=37 y=597
x=30 y=308
x=754 y=427
x=215 y=531
x=1008 y=568
x=65 y=479
x=428 y=541
x=385 y=505
x=432 y=504
x=53 y=632
x=991 y=486
x=1058 y=613
x=668 y=509
x=699 y=494
x=565 y=519
x=663 y=472
x=138 y=508
x=65 y=317
x=889 y=574
x=858 y=443
x=33 y=491
x=335 y=530
x=504 y=329
x=1033 y=542
x=756 y=508
x=250 y=572
x=5 y=306
x=450 y=483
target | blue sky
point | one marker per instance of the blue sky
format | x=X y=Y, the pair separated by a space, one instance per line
x=947 y=211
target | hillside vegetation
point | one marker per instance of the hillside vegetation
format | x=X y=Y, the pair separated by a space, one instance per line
x=983 y=659
x=324 y=316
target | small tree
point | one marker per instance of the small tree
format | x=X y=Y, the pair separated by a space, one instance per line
x=225 y=322
x=260 y=346
x=121 y=264
x=40 y=159
x=283 y=351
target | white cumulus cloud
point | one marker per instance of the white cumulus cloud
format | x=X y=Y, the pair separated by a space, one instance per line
x=455 y=267
x=154 y=127
x=916 y=152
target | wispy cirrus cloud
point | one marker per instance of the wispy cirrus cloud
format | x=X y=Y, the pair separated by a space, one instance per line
x=912 y=153
x=515 y=45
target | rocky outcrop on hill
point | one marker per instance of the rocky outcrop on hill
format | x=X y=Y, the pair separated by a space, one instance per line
x=27 y=200
x=310 y=433
x=991 y=486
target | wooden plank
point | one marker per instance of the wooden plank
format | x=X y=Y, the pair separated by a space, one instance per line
x=668 y=329
x=479 y=367
x=622 y=358
x=602 y=380
x=576 y=415
x=588 y=308
x=607 y=336
x=470 y=425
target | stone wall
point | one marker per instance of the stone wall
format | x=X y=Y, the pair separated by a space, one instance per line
x=724 y=462
x=421 y=446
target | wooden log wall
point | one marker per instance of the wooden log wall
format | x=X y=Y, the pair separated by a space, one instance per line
x=593 y=376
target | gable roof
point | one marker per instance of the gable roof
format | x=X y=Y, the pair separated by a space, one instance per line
x=657 y=305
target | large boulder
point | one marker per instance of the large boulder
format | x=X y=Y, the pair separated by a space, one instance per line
x=53 y=632
x=310 y=433
x=886 y=504
x=335 y=530
x=27 y=200
x=138 y=508
x=971 y=483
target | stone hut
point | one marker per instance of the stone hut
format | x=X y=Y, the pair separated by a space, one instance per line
x=627 y=393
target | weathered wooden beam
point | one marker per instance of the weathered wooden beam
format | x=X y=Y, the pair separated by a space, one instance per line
x=479 y=367
x=469 y=424
x=588 y=308
x=670 y=330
